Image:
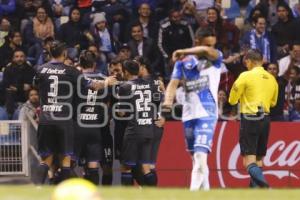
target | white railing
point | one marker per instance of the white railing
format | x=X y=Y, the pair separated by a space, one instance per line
x=13 y=148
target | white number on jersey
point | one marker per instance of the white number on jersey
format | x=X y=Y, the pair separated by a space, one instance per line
x=142 y=103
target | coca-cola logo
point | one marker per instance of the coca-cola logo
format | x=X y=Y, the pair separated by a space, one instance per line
x=283 y=156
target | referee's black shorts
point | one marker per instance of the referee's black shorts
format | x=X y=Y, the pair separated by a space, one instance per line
x=254 y=134
x=56 y=139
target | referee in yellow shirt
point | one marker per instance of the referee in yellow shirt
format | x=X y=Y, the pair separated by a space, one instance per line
x=257 y=91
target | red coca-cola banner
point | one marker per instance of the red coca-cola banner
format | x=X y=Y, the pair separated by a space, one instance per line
x=282 y=162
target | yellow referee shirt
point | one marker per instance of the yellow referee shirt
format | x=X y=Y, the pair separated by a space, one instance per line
x=254 y=88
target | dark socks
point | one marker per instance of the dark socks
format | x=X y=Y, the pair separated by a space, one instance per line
x=257 y=176
x=150 y=179
x=126 y=179
x=138 y=175
x=107 y=179
x=65 y=173
x=92 y=174
x=43 y=168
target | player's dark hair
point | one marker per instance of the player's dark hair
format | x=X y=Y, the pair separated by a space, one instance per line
x=115 y=61
x=48 y=39
x=87 y=59
x=144 y=61
x=204 y=32
x=131 y=66
x=254 y=55
x=173 y=10
x=57 y=48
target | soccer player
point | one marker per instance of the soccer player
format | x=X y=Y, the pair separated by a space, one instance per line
x=145 y=72
x=201 y=76
x=58 y=86
x=135 y=97
x=115 y=69
x=257 y=91
x=92 y=115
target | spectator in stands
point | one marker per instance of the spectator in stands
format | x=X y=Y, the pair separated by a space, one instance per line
x=291 y=60
x=150 y=26
x=37 y=30
x=292 y=89
x=101 y=61
x=26 y=11
x=18 y=76
x=4 y=29
x=45 y=54
x=102 y=35
x=17 y=80
x=226 y=111
x=84 y=6
x=146 y=47
x=7 y=7
x=72 y=33
x=124 y=52
x=203 y=5
x=249 y=21
x=61 y=9
x=172 y=30
x=283 y=30
x=189 y=13
x=259 y=38
x=227 y=33
x=276 y=113
x=269 y=8
x=29 y=108
x=294 y=111
x=13 y=42
x=233 y=11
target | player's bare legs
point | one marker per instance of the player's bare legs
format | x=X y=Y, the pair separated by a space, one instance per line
x=44 y=167
x=199 y=171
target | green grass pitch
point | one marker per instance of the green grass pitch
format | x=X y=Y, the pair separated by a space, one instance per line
x=118 y=193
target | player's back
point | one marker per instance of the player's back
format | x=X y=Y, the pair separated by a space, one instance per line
x=260 y=87
x=92 y=107
x=57 y=86
x=138 y=93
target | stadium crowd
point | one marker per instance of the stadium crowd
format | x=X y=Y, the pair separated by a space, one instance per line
x=117 y=31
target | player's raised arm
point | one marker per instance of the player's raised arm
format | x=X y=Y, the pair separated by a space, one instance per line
x=209 y=52
x=171 y=92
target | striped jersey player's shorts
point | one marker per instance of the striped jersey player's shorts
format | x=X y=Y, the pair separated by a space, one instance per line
x=199 y=134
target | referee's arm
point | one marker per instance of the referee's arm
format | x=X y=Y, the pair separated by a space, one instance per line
x=275 y=96
x=237 y=90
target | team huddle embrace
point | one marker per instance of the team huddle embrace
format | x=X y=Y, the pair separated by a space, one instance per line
x=77 y=107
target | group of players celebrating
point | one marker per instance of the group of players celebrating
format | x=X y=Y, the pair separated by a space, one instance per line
x=77 y=107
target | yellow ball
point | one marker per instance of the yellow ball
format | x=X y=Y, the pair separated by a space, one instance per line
x=76 y=189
